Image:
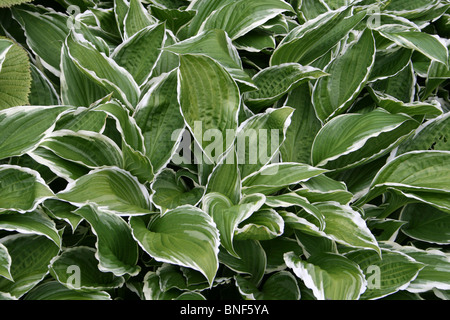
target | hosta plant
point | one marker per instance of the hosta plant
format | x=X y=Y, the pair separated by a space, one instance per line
x=224 y=149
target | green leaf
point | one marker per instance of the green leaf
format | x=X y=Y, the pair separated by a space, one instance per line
x=30 y=257
x=330 y=276
x=23 y=128
x=434 y=275
x=5 y=263
x=103 y=70
x=276 y=248
x=259 y=139
x=77 y=87
x=185 y=236
x=87 y=148
x=265 y=224
x=429 y=45
x=134 y=54
x=65 y=169
x=158 y=116
x=396 y=106
x=304 y=126
x=389 y=62
x=309 y=218
x=274 y=82
x=251 y=262
x=81 y=261
x=349 y=72
x=432 y=135
x=218 y=46
x=112 y=189
x=346 y=226
x=53 y=290
x=323 y=188
x=21 y=189
x=35 y=222
x=368 y=137
x=61 y=210
x=275 y=177
x=47 y=27
x=315 y=38
x=15 y=75
x=117 y=252
x=239 y=17
x=227 y=216
x=170 y=191
x=42 y=91
x=125 y=124
x=420 y=175
x=136 y=19
x=387 y=275
x=203 y=80
x=425 y=223
x=226 y=178
x=279 y=286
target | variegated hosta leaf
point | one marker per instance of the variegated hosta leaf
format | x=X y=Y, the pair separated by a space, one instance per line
x=434 y=274
x=367 y=137
x=134 y=55
x=329 y=276
x=117 y=252
x=227 y=216
x=259 y=139
x=276 y=81
x=265 y=224
x=347 y=227
x=432 y=135
x=277 y=176
x=309 y=218
x=425 y=223
x=315 y=38
x=53 y=290
x=239 y=17
x=429 y=45
x=419 y=176
x=304 y=126
x=251 y=262
x=323 y=188
x=87 y=148
x=136 y=19
x=47 y=27
x=35 y=222
x=204 y=118
x=112 y=189
x=158 y=116
x=125 y=124
x=103 y=70
x=23 y=128
x=349 y=72
x=217 y=45
x=185 y=236
x=81 y=261
x=393 y=105
x=389 y=274
x=279 y=286
x=171 y=191
x=226 y=178
x=30 y=256
x=21 y=189
x=5 y=263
